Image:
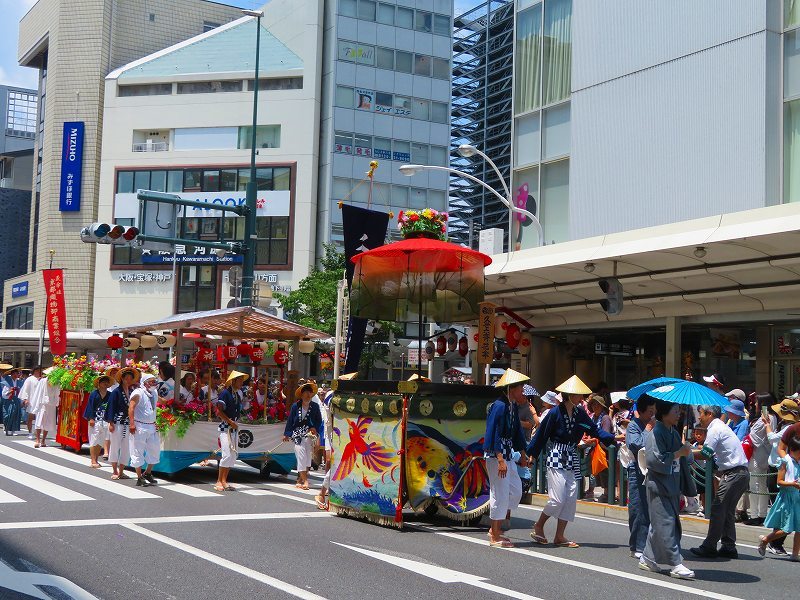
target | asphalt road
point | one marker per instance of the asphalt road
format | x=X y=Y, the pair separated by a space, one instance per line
x=67 y=531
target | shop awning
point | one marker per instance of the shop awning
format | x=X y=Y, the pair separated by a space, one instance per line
x=740 y=262
x=242 y=322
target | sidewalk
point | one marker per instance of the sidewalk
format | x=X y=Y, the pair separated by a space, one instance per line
x=745 y=534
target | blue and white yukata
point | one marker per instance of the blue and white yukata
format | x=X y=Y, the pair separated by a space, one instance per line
x=117 y=413
x=503 y=436
x=95 y=410
x=11 y=407
x=558 y=435
x=231 y=404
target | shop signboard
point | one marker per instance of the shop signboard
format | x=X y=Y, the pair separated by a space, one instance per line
x=71 y=167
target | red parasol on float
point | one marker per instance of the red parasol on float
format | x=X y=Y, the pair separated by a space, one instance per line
x=425 y=276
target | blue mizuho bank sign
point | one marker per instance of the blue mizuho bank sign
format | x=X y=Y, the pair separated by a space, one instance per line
x=71 y=166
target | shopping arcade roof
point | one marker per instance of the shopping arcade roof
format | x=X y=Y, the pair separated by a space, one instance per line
x=242 y=322
x=751 y=264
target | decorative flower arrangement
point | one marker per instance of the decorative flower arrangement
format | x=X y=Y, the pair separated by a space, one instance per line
x=173 y=417
x=77 y=373
x=423 y=223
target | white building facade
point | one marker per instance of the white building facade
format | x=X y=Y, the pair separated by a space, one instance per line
x=386 y=97
x=179 y=121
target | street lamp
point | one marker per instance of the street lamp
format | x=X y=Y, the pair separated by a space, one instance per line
x=467 y=151
x=248 y=268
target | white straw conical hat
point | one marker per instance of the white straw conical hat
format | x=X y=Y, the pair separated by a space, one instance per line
x=236 y=375
x=511 y=377
x=574 y=385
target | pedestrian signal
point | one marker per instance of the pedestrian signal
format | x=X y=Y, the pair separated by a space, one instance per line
x=612 y=288
x=103 y=233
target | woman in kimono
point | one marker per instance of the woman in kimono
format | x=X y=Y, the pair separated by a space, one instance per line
x=664 y=451
x=118 y=420
x=558 y=436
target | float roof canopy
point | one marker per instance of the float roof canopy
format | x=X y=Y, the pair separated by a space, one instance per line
x=242 y=322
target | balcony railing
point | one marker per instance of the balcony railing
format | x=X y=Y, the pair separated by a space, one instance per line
x=151 y=147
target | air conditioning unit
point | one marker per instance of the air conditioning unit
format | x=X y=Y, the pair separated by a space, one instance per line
x=490 y=241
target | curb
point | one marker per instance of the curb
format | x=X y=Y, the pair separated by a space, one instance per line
x=745 y=534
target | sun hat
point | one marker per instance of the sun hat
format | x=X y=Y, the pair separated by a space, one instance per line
x=552 y=398
x=714 y=378
x=349 y=376
x=48 y=370
x=235 y=375
x=6 y=367
x=511 y=377
x=574 y=385
x=132 y=370
x=147 y=377
x=416 y=377
x=102 y=376
x=786 y=410
x=305 y=384
x=737 y=394
x=529 y=390
x=618 y=397
x=599 y=398
x=736 y=407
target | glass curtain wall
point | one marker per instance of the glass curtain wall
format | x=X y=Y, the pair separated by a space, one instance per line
x=791 y=106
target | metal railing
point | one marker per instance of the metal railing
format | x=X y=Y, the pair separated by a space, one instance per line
x=150 y=147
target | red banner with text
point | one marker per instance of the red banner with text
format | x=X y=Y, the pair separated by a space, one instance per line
x=56 y=311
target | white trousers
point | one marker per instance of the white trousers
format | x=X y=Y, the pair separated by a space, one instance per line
x=562 y=492
x=504 y=492
x=98 y=433
x=303 y=452
x=759 y=492
x=144 y=445
x=229 y=444
x=119 y=450
x=46 y=418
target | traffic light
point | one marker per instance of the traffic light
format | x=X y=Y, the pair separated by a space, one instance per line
x=612 y=288
x=103 y=233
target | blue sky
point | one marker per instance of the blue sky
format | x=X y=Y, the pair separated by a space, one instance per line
x=11 y=11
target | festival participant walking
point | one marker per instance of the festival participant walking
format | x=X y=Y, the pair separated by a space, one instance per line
x=559 y=433
x=763 y=423
x=112 y=374
x=734 y=479
x=323 y=502
x=26 y=395
x=664 y=451
x=43 y=405
x=638 y=513
x=9 y=392
x=118 y=419
x=504 y=439
x=784 y=516
x=304 y=419
x=228 y=409
x=144 y=443
x=95 y=413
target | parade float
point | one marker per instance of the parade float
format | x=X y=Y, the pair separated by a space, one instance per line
x=414 y=443
x=245 y=338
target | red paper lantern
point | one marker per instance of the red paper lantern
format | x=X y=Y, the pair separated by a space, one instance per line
x=513 y=335
x=257 y=354
x=441 y=345
x=244 y=349
x=115 y=342
x=231 y=352
x=281 y=357
x=463 y=347
x=205 y=355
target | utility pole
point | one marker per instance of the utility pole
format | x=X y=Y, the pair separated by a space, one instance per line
x=248 y=268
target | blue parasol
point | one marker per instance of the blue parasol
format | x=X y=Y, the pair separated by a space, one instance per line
x=688 y=392
x=645 y=387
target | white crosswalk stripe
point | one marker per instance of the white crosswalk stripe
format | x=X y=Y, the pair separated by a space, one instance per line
x=7 y=498
x=180 y=488
x=53 y=468
x=41 y=485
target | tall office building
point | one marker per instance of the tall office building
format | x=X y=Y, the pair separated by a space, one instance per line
x=385 y=97
x=74 y=45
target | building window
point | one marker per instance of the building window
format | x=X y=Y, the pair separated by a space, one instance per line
x=344 y=97
x=423 y=21
x=206 y=138
x=404 y=17
x=197 y=289
x=154 y=89
x=276 y=83
x=791 y=13
x=19 y=316
x=441 y=25
x=385 y=59
x=421 y=109
x=209 y=25
x=21 y=117
x=272 y=247
x=385 y=14
x=528 y=73
x=267 y=136
x=556 y=132
x=209 y=87
x=419 y=153
x=440 y=112
x=441 y=68
x=399 y=196
x=348 y=8
x=343 y=142
x=403 y=61
x=125 y=255
x=366 y=10
x=557 y=65
x=438 y=156
x=791 y=151
x=382 y=148
x=422 y=65
x=555 y=201
x=527 y=142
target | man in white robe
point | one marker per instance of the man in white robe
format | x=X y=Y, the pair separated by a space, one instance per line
x=44 y=405
x=26 y=393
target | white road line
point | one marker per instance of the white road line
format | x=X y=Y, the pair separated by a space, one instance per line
x=103 y=484
x=268 y=492
x=158 y=520
x=85 y=461
x=227 y=564
x=293 y=488
x=41 y=485
x=665 y=583
x=7 y=498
